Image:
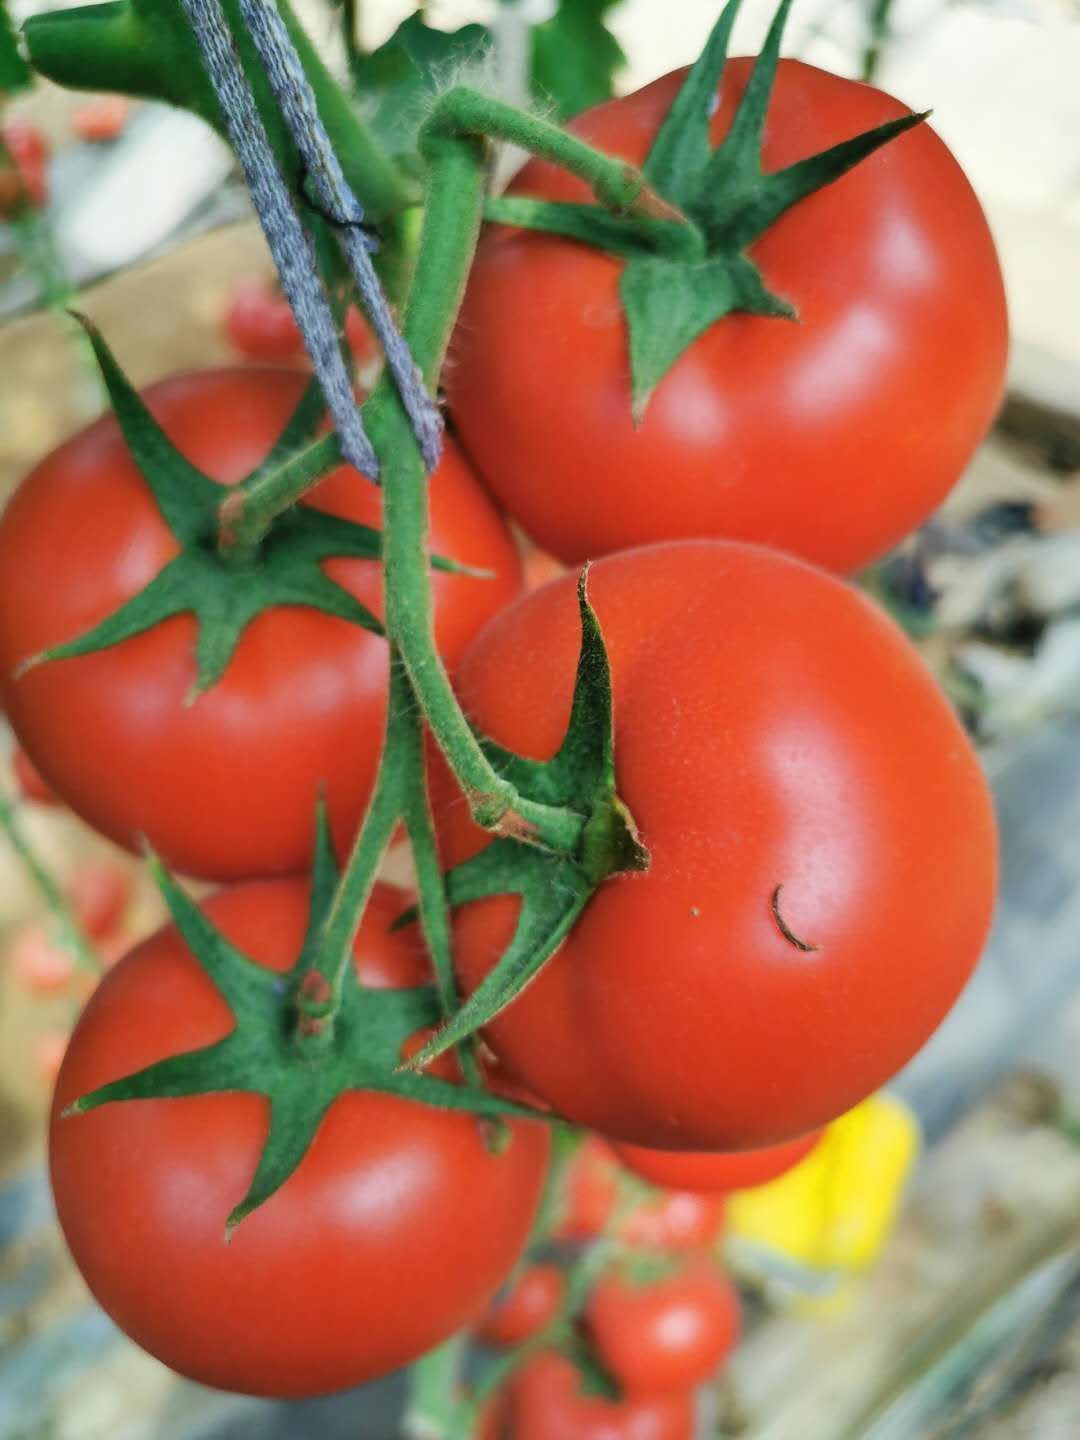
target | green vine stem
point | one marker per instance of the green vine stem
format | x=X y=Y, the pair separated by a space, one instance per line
x=461 y=114
x=452 y=142
x=70 y=932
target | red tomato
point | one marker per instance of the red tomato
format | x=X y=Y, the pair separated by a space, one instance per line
x=723 y=1171
x=225 y=787
x=38 y=964
x=670 y=1220
x=665 y=1335
x=361 y=341
x=589 y=1191
x=676 y=1220
x=832 y=437
x=24 y=181
x=822 y=844
x=393 y=1233
x=101 y=120
x=99 y=891
x=529 y=1304
x=31 y=785
x=547 y=1403
x=259 y=324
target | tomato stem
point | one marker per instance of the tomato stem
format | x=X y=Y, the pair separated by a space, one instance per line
x=619 y=186
x=469 y=117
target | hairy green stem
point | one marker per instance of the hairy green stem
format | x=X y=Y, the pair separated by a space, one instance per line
x=70 y=931
x=619 y=186
x=451 y=226
x=465 y=115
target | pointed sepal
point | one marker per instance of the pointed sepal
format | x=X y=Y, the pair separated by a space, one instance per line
x=553 y=889
x=363 y=1050
x=681 y=278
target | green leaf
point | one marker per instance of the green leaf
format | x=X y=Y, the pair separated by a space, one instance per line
x=669 y=304
x=575 y=57
x=393 y=83
x=14 y=71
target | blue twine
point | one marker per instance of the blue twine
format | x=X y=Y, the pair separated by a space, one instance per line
x=290 y=245
x=337 y=200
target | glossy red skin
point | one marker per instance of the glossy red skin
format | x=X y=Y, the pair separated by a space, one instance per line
x=28 y=151
x=547 y=1404
x=772 y=727
x=718 y=1172
x=530 y=1304
x=831 y=437
x=668 y=1335
x=393 y=1233
x=224 y=788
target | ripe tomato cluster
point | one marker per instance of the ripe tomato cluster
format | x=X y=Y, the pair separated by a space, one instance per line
x=815 y=843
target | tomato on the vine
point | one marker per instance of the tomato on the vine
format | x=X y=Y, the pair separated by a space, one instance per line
x=548 y=1402
x=260 y=325
x=224 y=787
x=675 y=1220
x=666 y=1334
x=831 y=437
x=530 y=1302
x=718 y=1171
x=394 y=1231
x=23 y=181
x=821 y=839
x=101 y=120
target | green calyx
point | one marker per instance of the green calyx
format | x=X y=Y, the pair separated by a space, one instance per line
x=553 y=888
x=299 y=1060
x=679 y=279
x=224 y=590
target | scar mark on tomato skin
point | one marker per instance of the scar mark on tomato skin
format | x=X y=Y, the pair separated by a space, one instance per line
x=782 y=925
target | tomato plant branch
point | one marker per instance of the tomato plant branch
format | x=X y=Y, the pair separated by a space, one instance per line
x=70 y=932
x=145 y=48
x=451 y=226
x=619 y=186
